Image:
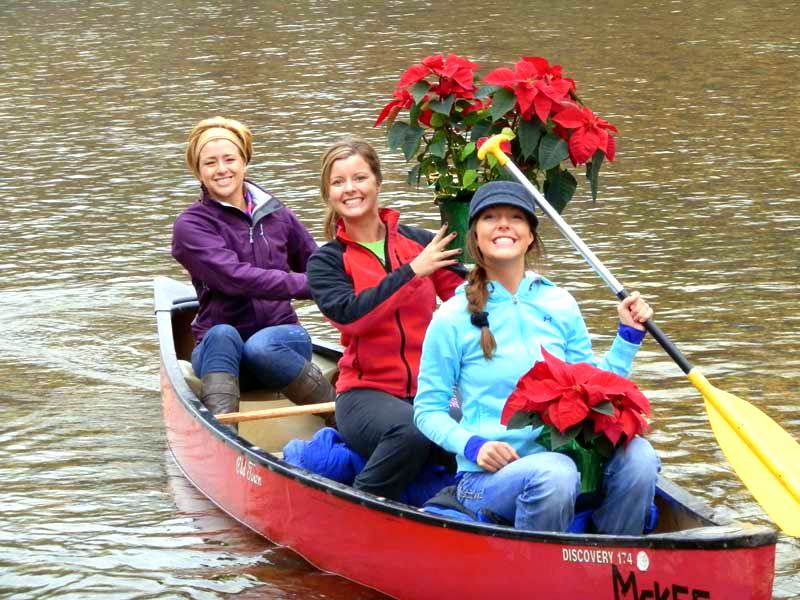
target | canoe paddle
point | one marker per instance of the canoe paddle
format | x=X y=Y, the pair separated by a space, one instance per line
x=274 y=413
x=764 y=456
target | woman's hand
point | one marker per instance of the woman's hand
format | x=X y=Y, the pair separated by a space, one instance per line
x=434 y=256
x=634 y=311
x=493 y=456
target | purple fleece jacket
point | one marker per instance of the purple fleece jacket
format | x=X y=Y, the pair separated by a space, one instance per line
x=246 y=270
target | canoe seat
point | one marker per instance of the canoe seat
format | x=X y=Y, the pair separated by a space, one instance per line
x=270 y=434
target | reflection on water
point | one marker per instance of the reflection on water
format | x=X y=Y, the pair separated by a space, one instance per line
x=700 y=212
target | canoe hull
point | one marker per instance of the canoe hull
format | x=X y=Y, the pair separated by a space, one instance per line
x=405 y=553
x=406 y=557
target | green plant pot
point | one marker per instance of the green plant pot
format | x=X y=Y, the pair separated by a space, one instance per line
x=590 y=465
x=455 y=212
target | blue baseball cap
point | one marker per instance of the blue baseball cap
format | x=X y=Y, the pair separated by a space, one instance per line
x=503 y=192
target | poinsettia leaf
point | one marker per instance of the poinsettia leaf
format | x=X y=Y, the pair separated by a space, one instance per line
x=443 y=106
x=438 y=147
x=480 y=130
x=588 y=432
x=467 y=150
x=418 y=91
x=470 y=176
x=524 y=419
x=567 y=412
x=503 y=101
x=559 y=369
x=438 y=120
x=604 y=447
x=605 y=408
x=486 y=90
x=593 y=171
x=397 y=134
x=411 y=140
x=559 y=187
x=552 y=150
x=530 y=132
x=557 y=440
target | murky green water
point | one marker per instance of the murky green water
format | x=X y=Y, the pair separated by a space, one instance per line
x=701 y=211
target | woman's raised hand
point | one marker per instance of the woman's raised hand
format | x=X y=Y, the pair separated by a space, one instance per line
x=634 y=311
x=434 y=256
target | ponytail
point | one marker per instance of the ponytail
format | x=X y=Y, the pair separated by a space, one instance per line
x=477 y=296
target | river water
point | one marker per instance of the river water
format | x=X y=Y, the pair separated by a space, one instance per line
x=700 y=211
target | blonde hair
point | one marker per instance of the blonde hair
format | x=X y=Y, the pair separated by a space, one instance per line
x=217 y=128
x=344 y=148
x=477 y=291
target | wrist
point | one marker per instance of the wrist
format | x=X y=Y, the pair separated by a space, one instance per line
x=631 y=334
x=473 y=448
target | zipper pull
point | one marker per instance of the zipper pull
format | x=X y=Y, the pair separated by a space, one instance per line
x=251 y=235
x=514 y=299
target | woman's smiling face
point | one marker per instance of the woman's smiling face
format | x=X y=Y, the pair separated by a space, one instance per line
x=503 y=233
x=222 y=171
x=353 y=188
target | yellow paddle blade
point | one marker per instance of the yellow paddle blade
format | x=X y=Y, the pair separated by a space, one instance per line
x=765 y=457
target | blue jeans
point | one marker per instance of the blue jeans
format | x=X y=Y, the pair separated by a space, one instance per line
x=270 y=358
x=538 y=491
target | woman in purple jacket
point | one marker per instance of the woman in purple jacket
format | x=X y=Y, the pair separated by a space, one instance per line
x=246 y=253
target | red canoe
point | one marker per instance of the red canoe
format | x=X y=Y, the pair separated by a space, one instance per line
x=406 y=553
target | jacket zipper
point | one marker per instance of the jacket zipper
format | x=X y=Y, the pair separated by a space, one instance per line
x=409 y=375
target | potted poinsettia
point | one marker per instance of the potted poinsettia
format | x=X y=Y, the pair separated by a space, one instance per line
x=584 y=411
x=448 y=117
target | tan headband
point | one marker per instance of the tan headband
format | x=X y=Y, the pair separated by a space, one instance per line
x=214 y=133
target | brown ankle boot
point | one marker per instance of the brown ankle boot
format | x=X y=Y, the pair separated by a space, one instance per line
x=220 y=394
x=311 y=387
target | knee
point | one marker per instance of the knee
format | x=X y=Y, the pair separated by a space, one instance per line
x=559 y=474
x=410 y=438
x=641 y=461
x=225 y=337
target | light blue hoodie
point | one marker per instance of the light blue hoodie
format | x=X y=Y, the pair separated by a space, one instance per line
x=540 y=314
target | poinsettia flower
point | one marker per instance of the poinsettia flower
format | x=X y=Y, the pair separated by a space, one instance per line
x=455 y=75
x=565 y=395
x=589 y=133
x=505 y=145
x=402 y=99
x=628 y=419
x=457 y=68
x=537 y=86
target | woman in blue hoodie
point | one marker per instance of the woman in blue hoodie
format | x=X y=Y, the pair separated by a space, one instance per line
x=483 y=340
x=247 y=255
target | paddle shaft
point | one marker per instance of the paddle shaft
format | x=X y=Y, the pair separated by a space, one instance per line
x=273 y=413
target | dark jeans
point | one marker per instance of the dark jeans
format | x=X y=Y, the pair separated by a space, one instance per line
x=270 y=358
x=380 y=427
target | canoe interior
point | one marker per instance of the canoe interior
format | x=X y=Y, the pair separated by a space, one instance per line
x=679 y=511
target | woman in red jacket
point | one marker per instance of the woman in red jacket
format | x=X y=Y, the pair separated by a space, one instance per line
x=377 y=281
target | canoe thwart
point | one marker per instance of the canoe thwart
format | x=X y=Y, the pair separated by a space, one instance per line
x=274 y=413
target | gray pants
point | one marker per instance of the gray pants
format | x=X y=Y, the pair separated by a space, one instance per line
x=380 y=427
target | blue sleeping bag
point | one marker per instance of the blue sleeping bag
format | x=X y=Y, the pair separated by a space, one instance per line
x=326 y=454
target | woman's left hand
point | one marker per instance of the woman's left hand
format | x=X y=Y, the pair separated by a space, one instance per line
x=634 y=311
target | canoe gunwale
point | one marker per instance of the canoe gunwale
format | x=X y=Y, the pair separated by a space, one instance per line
x=731 y=534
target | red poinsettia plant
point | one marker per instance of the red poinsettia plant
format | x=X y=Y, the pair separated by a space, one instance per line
x=577 y=402
x=533 y=104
